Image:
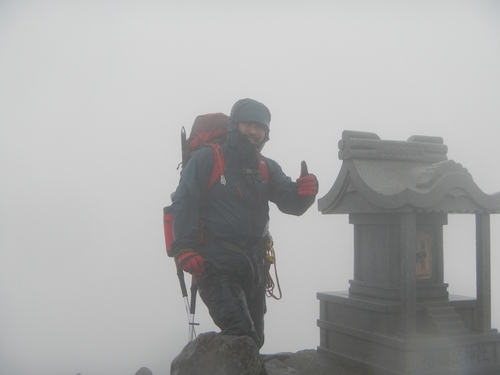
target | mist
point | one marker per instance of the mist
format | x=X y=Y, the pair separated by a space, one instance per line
x=92 y=99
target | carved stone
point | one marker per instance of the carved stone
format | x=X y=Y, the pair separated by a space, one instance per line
x=397 y=316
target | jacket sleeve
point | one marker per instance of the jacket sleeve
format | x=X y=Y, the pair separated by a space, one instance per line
x=188 y=199
x=284 y=192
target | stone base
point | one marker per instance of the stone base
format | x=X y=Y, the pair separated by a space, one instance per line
x=365 y=332
x=392 y=292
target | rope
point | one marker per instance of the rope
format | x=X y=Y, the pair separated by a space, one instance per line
x=271 y=260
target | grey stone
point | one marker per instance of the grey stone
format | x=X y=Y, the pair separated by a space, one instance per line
x=388 y=176
x=280 y=356
x=144 y=371
x=310 y=362
x=397 y=316
x=214 y=354
x=276 y=367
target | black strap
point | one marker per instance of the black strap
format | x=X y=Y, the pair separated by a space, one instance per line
x=231 y=246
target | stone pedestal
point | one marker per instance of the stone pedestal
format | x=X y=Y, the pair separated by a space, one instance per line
x=365 y=331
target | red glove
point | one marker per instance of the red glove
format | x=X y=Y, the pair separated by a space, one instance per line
x=191 y=262
x=307 y=182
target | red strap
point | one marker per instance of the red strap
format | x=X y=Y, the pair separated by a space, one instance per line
x=263 y=168
x=219 y=165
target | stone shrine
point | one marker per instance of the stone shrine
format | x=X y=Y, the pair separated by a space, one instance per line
x=397 y=318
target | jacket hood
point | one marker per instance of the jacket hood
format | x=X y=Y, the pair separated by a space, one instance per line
x=249 y=110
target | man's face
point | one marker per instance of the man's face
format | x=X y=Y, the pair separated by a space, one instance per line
x=253 y=131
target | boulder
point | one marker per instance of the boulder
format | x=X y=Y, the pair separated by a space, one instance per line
x=309 y=362
x=215 y=354
x=144 y=371
x=276 y=367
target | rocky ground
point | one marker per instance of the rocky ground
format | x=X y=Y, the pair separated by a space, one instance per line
x=305 y=362
x=309 y=362
x=215 y=354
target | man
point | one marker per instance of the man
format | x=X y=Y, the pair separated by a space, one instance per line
x=220 y=232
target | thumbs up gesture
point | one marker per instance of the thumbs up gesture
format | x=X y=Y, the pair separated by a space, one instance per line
x=307 y=182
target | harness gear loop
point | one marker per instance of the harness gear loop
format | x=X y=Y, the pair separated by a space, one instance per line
x=270 y=258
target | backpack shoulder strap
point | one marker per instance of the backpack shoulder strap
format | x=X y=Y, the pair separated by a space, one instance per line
x=219 y=165
x=263 y=168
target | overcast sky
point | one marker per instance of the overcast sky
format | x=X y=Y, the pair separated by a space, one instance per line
x=92 y=98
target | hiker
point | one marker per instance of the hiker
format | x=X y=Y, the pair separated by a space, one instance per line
x=220 y=232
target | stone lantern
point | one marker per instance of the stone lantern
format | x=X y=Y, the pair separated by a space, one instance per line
x=397 y=316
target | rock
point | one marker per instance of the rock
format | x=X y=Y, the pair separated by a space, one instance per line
x=280 y=356
x=216 y=354
x=310 y=362
x=276 y=367
x=144 y=371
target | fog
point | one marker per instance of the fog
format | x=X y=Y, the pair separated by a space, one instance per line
x=92 y=98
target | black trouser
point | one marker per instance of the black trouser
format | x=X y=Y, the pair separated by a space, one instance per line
x=236 y=299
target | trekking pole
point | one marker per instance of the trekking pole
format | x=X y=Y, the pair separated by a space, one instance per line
x=189 y=306
x=182 y=282
x=192 y=309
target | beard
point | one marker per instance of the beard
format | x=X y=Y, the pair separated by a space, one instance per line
x=243 y=152
x=253 y=139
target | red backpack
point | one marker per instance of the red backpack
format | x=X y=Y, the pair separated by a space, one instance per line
x=207 y=130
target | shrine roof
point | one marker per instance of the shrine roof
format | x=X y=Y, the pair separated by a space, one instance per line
x=402 y=176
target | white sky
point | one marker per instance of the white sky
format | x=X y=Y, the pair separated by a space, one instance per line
x=92 y=98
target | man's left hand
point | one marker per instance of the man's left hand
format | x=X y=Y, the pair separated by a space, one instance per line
x=307 y=182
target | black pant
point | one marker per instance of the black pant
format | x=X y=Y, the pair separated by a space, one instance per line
x=236 y=299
